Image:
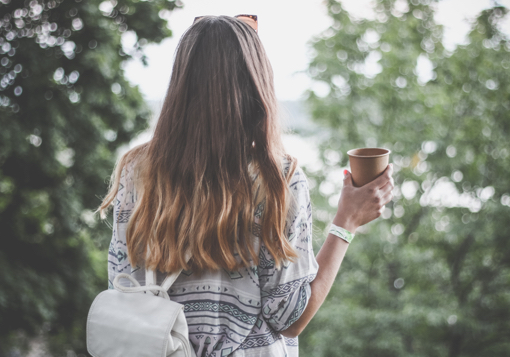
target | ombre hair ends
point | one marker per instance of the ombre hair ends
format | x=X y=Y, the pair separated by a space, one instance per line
x=218 y=128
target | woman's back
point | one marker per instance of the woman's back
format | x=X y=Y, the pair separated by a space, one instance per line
x=215 y=183
x=236 y=313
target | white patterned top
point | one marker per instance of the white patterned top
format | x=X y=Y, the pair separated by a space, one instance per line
x=237 y=313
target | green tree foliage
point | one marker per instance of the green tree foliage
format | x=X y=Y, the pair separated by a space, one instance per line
x=430 y=278
x=65 y=108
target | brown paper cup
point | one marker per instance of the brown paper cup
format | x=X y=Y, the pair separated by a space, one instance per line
x=367 y=164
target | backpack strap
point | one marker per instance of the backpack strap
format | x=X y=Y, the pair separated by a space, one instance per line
x=136 y=288
x=150 y=276
x=170 y=279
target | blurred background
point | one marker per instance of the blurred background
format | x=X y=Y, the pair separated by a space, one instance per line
x=82 y=81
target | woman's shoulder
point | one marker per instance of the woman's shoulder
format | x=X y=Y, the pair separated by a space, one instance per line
x=289 y=167
x=292 y=170
x=127 y=193
x=131 y=162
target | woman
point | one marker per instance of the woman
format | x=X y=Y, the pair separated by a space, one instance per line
x=214 y=183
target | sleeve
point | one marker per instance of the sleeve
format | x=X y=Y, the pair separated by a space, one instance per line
x=285 y=292
x=118 y=261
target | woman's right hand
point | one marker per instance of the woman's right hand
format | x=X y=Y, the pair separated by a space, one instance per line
x=360 y=205
x=357 y=206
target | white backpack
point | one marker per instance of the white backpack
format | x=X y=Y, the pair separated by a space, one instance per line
x=129 y=322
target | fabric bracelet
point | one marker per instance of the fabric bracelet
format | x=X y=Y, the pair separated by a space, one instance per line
x=341 y=233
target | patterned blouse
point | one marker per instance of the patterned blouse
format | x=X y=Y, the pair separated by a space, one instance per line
x=237 y=313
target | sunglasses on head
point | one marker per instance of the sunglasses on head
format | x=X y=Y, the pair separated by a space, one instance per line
x=250 y=20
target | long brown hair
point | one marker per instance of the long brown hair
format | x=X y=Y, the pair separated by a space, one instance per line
x=217 y=131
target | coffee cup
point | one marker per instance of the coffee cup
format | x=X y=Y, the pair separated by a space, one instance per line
x=367 y=164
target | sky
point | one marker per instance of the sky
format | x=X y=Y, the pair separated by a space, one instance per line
x=285 y=28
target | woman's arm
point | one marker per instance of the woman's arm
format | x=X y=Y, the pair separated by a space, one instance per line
x=357 y=206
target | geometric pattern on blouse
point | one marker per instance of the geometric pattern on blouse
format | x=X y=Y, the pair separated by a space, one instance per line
x=235 y=313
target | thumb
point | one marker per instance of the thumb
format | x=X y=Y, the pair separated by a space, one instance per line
x=347 y=178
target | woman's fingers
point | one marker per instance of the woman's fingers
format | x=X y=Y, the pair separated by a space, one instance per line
x=366 y=203
x=384 y=194
x=387 y=197
x=381 y=196
x=382 y=204
x=388 y=186
x=383 y=179
x=347 y=178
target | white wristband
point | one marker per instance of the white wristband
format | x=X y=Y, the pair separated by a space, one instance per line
x=341 y=233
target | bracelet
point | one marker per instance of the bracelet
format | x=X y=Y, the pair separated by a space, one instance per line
x=341 y=233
